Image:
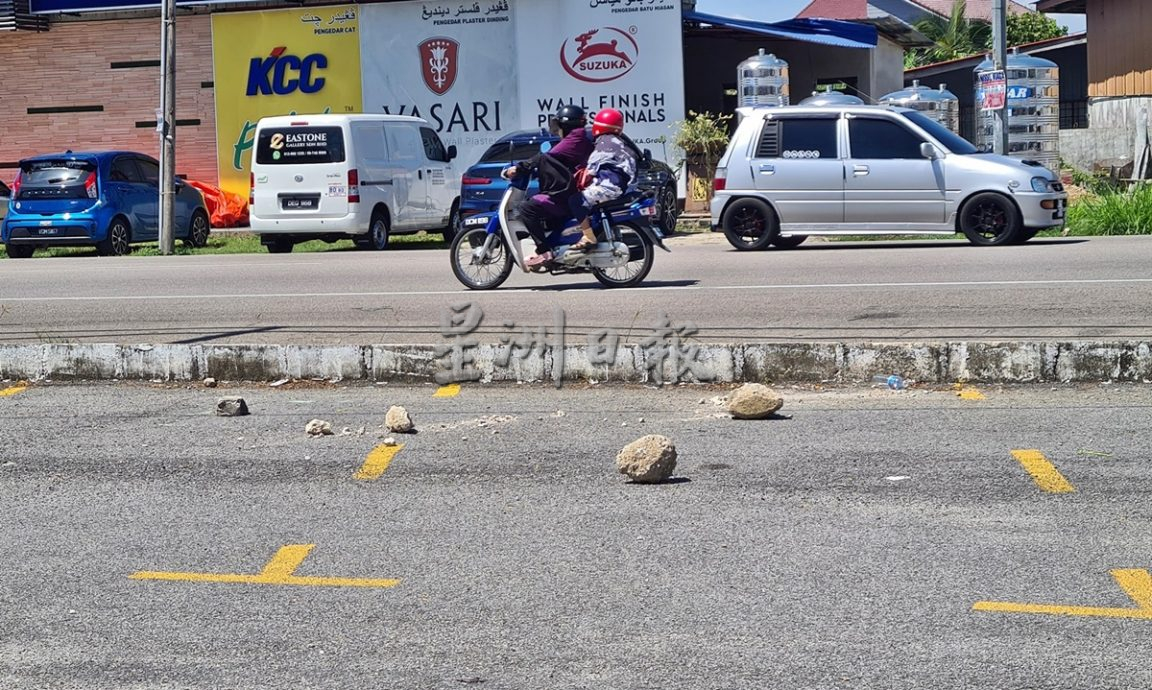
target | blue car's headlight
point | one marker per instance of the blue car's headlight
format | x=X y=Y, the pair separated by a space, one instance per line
x=1040 y=184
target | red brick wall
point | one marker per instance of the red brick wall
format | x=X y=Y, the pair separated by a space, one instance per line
x=69 y=65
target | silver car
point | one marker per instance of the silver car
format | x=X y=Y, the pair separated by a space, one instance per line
x=794 y=171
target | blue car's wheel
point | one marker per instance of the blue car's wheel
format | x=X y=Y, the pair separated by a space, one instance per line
x=118 y=240
x=198 y=230
x=19 y=251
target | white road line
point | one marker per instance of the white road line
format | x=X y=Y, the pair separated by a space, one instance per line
x=537 y=290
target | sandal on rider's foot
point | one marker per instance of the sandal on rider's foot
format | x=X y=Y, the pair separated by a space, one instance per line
x=583 y=245
x=538 y=260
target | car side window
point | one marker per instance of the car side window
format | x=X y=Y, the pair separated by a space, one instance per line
x=881 y=139
x=433 y=147
x=403 y=142
x=798 y=138
x=150 y=170
x=124 y=170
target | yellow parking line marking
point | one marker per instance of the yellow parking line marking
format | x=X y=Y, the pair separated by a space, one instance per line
x=969 y=393
x=377 y=461
x=278 y=572
x=12 y=390
x=1043 y=472
x=1135 y=582
x=449 y=391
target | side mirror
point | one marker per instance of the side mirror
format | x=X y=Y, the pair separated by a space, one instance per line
x=646 y=159
x=178 y=183
x=929 y=151
x=451 y=151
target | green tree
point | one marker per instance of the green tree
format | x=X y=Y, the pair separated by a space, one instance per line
x=954 y=37
x=1031 y=27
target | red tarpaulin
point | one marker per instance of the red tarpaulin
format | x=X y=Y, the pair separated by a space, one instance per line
x=227 y=210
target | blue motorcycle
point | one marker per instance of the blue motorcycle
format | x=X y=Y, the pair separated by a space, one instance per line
x=490 y=244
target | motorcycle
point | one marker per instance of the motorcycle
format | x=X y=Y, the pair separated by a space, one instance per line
x=490 y=244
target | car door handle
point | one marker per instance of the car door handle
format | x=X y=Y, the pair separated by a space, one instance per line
x=767 y=169
x=420 y=174
x=859 y=170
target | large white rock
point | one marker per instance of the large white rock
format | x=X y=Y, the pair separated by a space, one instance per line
x=754 y=401
x=231 y=406
x=648 y=459
x=398 y=420
x=318 y=427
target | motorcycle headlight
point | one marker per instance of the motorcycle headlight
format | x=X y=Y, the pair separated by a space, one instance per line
x=1040 y=184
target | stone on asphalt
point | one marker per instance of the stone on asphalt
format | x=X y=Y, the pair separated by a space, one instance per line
x=318 y=427
x=648 y=459
x=398 y=420
x=231 y=406
x=754 y=401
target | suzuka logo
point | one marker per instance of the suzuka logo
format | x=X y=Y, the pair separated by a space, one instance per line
x=438 y=63
x=600 y=55
x=282 y=74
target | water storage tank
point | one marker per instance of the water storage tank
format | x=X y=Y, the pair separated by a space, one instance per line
x=939 y=104
x=1033 y=110
x=762 y=80
x=831 y=96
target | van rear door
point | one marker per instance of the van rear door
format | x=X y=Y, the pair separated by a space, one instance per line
x=303 y=171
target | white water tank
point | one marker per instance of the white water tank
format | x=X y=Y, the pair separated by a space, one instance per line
x=831 y=96
x=762 y=80
x=1033 y=110
x=939 y=104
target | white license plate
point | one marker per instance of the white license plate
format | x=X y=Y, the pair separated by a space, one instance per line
x=647 y=210
x=299 y=203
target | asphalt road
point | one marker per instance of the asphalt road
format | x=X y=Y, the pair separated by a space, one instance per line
x=845 y=544
x=885 y=291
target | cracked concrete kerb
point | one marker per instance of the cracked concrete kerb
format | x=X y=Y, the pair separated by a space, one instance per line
x=940 y=362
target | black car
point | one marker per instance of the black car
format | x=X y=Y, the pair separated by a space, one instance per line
x=482 y=187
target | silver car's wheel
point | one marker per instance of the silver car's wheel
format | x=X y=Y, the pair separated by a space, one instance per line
x=990 y=219
x=476 y=268
x=749 y=224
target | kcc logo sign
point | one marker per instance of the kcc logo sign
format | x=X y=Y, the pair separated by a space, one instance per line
x=282 y=74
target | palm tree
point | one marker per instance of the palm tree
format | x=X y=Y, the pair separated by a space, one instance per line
x=954 y=37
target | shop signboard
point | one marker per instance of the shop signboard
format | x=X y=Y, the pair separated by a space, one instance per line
x=279 y=62
x=81 y=6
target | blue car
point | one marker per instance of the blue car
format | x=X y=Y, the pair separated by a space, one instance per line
x=109 y=199
x=481 y=187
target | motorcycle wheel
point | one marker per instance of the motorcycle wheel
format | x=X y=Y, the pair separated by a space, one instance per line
x=639 y=260
x=476 y=272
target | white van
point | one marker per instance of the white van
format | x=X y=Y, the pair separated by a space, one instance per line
x=366 y=177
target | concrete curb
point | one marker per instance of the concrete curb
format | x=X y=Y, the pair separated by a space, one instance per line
x=942 y=362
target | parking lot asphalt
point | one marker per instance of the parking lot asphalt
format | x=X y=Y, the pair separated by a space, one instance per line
x=862 y=538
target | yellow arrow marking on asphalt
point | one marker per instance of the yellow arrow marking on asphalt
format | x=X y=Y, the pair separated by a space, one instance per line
x=449 y=391
x=12 y=390
x=1135 y=582
x=1043 y=472
x=278 y=572
x=377 y=461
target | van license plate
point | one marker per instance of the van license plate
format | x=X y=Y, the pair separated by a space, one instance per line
x=299 y=202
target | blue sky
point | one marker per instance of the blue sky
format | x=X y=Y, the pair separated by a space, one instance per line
x=776 y=10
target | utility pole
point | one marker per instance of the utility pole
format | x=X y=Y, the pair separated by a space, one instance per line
x=1000 y=62
x=167 y=125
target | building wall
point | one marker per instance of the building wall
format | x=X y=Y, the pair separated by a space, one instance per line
x=81 y=63
x=1119 y=62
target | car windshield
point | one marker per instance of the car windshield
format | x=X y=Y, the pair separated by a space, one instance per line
x=510 y=151
x=952 y=141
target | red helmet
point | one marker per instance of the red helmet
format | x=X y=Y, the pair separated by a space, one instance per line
x=608 y=120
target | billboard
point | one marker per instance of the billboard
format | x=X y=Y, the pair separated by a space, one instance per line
x=604 y=54
x=279 y=62
x=452 y=65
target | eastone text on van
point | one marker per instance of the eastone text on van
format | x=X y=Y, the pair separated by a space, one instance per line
x=364 y=177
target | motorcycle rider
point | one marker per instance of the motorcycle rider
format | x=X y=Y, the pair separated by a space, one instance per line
x=548 y=210
x=611 y=168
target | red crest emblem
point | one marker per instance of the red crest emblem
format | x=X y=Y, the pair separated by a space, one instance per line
x=438 y=58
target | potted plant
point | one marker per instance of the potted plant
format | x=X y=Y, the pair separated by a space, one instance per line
x=702 y=137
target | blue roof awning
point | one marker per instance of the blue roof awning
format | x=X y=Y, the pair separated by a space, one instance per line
x=827 y=32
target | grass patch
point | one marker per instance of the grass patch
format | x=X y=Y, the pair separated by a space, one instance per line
x=247 y=243
x=1112 y=213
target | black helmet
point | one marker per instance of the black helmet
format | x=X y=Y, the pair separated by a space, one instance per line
x=571 y=117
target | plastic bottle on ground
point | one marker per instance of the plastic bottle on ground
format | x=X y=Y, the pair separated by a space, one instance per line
x=891 y=381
